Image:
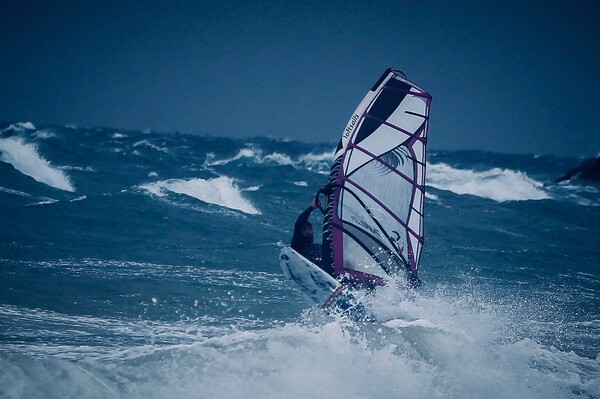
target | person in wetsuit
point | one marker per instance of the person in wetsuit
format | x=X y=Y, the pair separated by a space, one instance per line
x=303 y=238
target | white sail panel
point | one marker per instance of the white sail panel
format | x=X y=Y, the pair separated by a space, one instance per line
x=409 y=121
x=374 y=220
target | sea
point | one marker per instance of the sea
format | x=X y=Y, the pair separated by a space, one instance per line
x=145 y=265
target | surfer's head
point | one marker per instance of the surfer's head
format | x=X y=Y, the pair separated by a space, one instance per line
x=307 y=232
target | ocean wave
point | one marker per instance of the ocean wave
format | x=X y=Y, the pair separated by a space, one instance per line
x=25 y=158
x=44 y=134
x=432 y=197
x=148 y=144
x=316 y=162
x=376 y=361
x=221 y=191
x=496 y=184
x=14 y=192
x=19 y=127
x=577 y=191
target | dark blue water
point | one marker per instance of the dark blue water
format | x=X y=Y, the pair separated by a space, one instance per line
x=145 y=265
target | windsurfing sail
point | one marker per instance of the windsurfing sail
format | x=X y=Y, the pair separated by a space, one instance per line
x=373 y=225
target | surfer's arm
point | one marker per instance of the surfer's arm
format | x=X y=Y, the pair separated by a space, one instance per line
x=300 y=222
x=303 y=218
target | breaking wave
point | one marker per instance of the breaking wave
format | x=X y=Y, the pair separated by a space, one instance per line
x=221 y=191
x=26 y=159
x=496 y=184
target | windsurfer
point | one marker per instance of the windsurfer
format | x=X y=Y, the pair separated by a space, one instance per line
x=303 y=239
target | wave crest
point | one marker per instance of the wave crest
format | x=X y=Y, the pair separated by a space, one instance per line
x=25 y=158
x=495 y=184
x=220 y=191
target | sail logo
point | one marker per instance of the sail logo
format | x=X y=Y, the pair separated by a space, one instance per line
x=350 y=126
x=365 y=225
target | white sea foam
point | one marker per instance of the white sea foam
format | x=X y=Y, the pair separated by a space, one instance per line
x=301 y=183
x=455 y=356
x=119 y=136
x=148 y=144
x=278 y=158
x=243 y=153
x=221 y=191
x=25 y=158
x=577 y=191
x=19 y=127
x=496 y=184
x=316 y=162
x=314 y=158
x=14 y=192
x=78 y=168
x=44 y=134
x=430 y=196
x=44 y=201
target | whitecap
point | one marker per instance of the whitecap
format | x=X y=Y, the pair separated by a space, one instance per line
x=278 y=158
x=496 y=184
x=243 y=153
x=25 y=158
x=44 y=134
x=432 y=197
x=311 y=158
x=19 y=127
x=148 y=144
x=311 y=161
x=220 y=191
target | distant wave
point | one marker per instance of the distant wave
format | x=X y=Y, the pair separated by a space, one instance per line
x=148 y=144
x=19 y=127
x=495 y=184
x=220 y=191
x=320 y=162
x=44 y=134
x=25 y=158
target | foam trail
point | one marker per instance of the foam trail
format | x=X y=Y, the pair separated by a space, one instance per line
x=219 y=191
x=15 y=192
x=496 y=184
x=25 y=158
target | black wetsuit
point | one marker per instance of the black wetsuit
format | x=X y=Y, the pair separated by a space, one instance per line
x=301 y=244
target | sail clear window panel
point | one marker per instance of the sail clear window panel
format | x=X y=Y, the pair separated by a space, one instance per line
x=379 y=142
